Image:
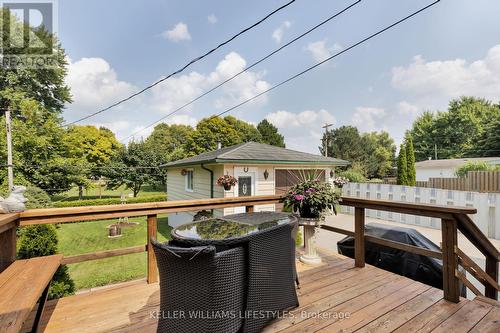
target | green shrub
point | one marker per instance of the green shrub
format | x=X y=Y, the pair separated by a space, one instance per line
x=375 y=180
x=37 y=198
x=353 y=176
x=473 y=166
x=109 y=201
x=41 y=240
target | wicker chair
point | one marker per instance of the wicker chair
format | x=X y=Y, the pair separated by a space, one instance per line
x=271 y=271
x=200 y=290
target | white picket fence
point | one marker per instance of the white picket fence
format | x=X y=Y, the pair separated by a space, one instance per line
x=487 y=204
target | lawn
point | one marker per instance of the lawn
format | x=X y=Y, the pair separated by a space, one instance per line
x=96 y=192
x=85 y=237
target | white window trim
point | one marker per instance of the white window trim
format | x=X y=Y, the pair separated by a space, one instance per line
x=186 y=180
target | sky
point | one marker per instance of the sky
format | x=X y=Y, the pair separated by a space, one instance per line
x=118 y=47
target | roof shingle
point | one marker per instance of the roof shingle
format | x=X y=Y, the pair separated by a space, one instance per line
x=253 y=152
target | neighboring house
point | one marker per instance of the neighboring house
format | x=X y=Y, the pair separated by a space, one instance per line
x=446 y=168
x=259 y=168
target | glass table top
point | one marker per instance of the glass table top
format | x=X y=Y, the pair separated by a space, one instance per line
x=231 y=226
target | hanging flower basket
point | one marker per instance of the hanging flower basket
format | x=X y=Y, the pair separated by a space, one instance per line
x=340 y=181
x=226 y=181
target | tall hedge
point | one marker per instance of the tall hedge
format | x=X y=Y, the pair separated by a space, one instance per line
x=109 y=201
x=410 y=162
x=402 y=177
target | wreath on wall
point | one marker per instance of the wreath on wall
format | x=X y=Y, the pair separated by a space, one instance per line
x=184 y=172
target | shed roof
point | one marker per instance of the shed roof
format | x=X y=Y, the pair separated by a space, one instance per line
x=258 y=153
x=455 y=162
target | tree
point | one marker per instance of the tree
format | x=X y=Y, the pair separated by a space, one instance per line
x=270 y=134
x=372 y=153
x=92 y=147
x=213 y=129
x=133 y=167
x=39 y=154
x=167 y=143
x=36 y=97
x=458 y=132
x=402 y=176
x=489 y=140
x=247 y=132
x=410 y=162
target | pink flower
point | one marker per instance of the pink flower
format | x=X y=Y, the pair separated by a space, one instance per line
x=299 y=197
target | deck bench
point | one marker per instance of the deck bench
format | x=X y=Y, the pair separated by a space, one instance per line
x=22 y=284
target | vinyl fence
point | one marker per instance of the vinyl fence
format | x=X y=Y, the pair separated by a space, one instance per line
x=487 y=204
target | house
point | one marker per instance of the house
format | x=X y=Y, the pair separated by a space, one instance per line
x=259 y=168
x=446 y=168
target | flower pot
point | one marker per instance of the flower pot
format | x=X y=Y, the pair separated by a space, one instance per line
x=306 y=213
x=310 y=256
x=227 y=187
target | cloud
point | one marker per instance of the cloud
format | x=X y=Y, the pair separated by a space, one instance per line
x=121 y=128
x=212 y=19
x=278 y=33
x=369 y=119
x=320 y=51
x=436 y=82
x=94 y=84
x=408 y=109
x=178 y=33
x=302 y=130
x=172 y=93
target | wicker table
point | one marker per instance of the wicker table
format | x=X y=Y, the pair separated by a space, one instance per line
x=269 y=242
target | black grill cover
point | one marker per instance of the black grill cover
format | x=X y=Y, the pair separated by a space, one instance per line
x=417 y=267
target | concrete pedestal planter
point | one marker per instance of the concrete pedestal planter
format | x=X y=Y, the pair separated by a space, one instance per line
x=311 y=226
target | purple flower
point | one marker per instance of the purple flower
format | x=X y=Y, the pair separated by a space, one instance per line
x=299 y=197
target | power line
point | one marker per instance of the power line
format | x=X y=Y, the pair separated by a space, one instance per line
x=328 y=59
x=184 y=67
x=244 y=70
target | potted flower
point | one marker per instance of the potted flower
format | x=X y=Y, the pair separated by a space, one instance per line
x=226 y=181
x=340 y=181
x=312 y=199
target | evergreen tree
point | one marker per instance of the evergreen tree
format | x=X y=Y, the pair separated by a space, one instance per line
x=411 y=173
x=270 y=134
x=402 y=178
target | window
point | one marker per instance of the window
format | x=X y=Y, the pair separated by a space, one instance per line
x=189 y=180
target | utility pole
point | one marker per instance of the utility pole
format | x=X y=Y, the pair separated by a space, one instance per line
x=10 y=172
x=435 y=151
x=326 y=137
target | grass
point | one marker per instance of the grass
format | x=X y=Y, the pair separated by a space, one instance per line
x=86 y=237
x=93 y=192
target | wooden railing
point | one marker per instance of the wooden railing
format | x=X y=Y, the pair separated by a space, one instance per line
x=9 y=223
x=453 y=219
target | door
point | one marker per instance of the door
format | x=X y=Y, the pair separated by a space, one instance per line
x=245 y=186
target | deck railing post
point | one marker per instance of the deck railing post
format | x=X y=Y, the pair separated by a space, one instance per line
x=359 y=237
x=249 y=209
x=491 y=270
x=451 y=288
x=7 y=247
x=152 y=267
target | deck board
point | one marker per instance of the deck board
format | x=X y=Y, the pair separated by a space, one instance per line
x=375 y=300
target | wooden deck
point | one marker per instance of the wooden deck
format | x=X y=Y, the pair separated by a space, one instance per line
x=369 y=299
